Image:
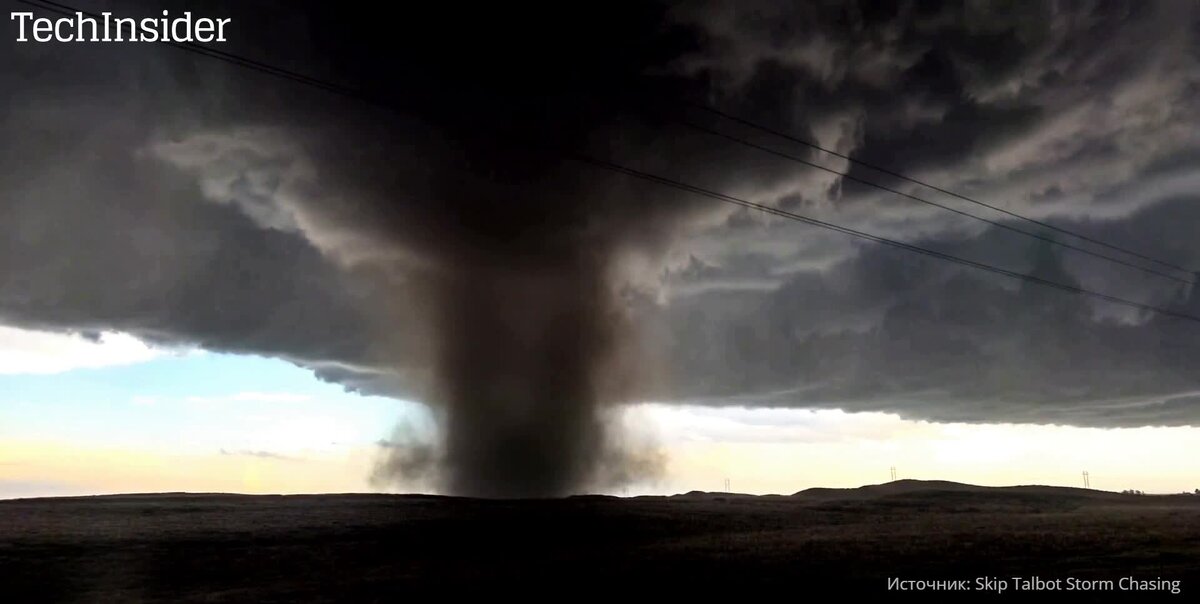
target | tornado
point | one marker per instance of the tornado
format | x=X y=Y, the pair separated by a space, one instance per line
x=529 y=335
x=530 y=340
x=522 y=347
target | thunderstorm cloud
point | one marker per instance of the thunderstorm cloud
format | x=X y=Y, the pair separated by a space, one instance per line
x=430 y=236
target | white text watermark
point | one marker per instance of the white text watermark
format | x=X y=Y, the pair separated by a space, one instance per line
x=107 y=28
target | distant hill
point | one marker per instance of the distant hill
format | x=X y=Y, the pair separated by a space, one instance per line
x=943 y=495
x=903 y=487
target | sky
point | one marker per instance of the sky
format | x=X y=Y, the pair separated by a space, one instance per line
x=116 y=416
x=216 y=279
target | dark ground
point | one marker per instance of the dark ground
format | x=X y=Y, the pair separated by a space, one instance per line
x=230 y=548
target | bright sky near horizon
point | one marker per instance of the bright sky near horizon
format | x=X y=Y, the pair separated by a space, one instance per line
x=83 y=416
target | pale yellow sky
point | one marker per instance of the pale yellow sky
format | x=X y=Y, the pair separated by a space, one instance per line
x=759 y=451
x=111 y=416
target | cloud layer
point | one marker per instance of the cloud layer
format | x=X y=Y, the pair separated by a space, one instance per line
x=188 y=202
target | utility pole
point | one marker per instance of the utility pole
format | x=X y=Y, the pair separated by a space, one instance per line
x=893 y=473
x=1087 y=482
x=727 y=485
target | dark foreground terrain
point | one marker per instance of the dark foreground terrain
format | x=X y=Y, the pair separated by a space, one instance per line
x=230 y=548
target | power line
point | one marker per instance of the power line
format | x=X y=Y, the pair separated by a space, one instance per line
x=888 y=189
x=878 y=239
x=63 y=9
x=894 y=174
x=661 y=180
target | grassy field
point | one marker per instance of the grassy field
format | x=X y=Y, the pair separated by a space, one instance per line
x=230 y=548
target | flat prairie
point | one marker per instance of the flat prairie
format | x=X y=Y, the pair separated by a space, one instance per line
x=177 y=547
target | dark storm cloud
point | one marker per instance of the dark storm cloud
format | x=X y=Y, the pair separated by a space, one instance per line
x=415 y=256
x=432 y=243
x=1061 y=113
x=887 y=332
x=100 y=236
